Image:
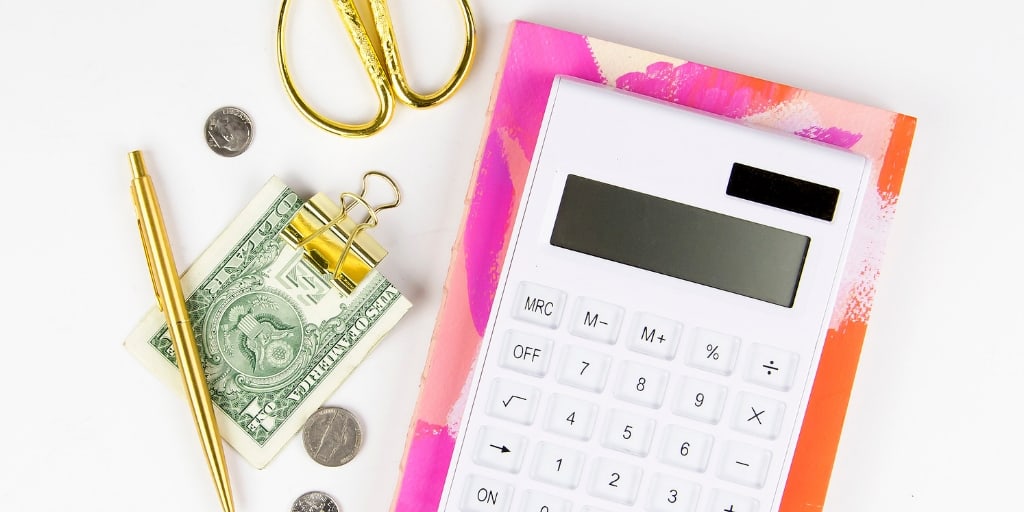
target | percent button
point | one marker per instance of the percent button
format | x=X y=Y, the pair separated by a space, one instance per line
x=714 y=351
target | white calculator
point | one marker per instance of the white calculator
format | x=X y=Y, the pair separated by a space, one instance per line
x=660 y=314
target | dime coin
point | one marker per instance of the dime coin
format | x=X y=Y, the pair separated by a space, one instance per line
x=332 y=436
x=314 y=501
x=228 y=131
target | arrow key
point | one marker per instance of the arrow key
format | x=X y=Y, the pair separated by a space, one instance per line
x=499 y=449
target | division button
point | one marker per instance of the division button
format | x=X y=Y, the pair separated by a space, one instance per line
x=771 y=367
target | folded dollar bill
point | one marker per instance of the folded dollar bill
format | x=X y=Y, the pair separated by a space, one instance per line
x=275 y=336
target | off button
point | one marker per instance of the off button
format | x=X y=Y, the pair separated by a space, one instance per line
x=539 y=305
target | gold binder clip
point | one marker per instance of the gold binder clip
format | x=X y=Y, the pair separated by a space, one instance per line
x=333 y=242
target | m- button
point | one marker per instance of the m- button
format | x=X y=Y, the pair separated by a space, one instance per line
x=539 y=304
x=596 y=320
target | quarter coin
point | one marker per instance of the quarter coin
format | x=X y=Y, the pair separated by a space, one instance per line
x=332 y=436
x=314 y=501
x=228 y=131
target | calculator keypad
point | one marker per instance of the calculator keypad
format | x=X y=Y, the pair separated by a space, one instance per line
x=629 y=408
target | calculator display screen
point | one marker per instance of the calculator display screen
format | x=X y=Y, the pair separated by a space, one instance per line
x=680 y=240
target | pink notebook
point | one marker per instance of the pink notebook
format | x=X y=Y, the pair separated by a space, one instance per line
x=534 y=54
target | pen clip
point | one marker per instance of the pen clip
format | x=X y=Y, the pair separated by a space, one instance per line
x=149 y=257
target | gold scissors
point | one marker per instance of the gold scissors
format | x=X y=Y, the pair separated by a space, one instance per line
x=389 y=81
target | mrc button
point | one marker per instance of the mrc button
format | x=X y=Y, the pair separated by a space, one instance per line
x=539 y=304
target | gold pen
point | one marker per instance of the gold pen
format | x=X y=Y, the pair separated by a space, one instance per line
x=171 y=300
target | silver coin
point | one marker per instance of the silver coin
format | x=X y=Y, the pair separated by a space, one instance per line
x=332 y=436
x=228 y=131
x=314 y=501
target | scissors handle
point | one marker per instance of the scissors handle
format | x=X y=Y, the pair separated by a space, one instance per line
x=389 y=80
x=381 y=84
x=393 y=61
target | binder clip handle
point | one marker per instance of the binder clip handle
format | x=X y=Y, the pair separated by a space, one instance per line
x=371 y=211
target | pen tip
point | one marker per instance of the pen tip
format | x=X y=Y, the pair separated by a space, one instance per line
x=138 y=166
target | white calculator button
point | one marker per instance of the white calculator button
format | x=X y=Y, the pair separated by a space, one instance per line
x=596 y=320
x=771 y=367
x=593 y=509
x=713 y=351
x=513 y=401
x=498 y=449
x=571 y=417
x=759 y=416
x=641 y=384
x=685 y=448
x=535 y=501
x=727 y=501
x=653 y=335
x=615 y=481
x=628 y=432
x=744 y=464
x=486 y=495
x=670 y=494
x=557 y=465
x=584 y=369
x=539 y=304
x=700 y=400
x=526 y=353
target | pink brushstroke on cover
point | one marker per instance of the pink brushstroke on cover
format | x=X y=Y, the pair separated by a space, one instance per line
x=534 y=57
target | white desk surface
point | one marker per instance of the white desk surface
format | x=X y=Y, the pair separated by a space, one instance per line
x=935 y=418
